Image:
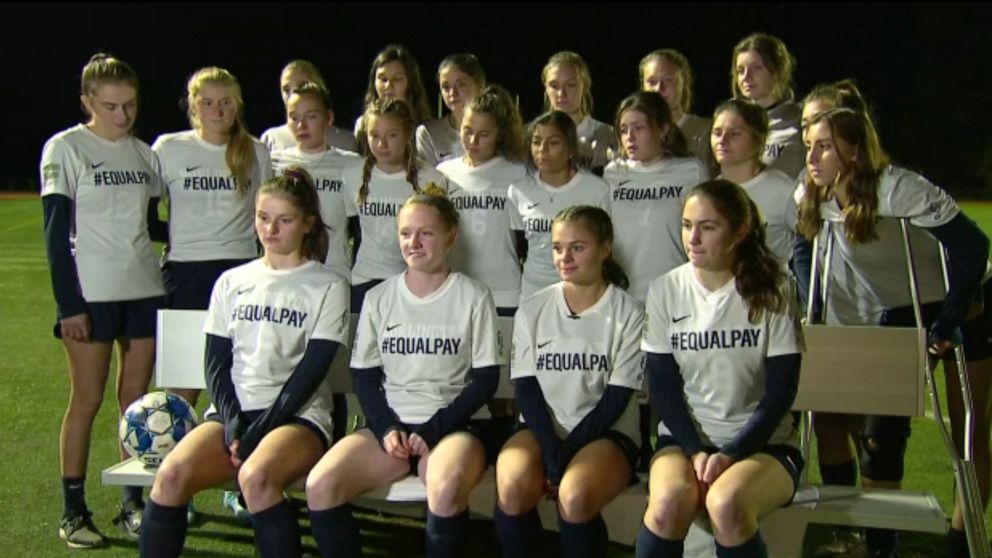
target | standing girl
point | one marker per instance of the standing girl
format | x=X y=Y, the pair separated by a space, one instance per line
x=395 y=74
x=727 y=443
x=426 y=360
x=460 y=77
x=272 y=329
x=100 y=191
x=579 y=443
x=667 y=73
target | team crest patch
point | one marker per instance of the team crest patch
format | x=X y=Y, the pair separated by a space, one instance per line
x=51 y=172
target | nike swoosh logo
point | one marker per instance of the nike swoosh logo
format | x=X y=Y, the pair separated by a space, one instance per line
x=96 y=165
x=443 y=155
x=392 y=327
x=542 y=345
x=246 y=289
x=622 y=182
x=191 y=169
x=677 y=320
x=533 y=205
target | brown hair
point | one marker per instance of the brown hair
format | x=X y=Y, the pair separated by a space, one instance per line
x=497 y=103
x=686 y=79
x=416 y=95
x=598 y=222
x=296 y=185
x=777 y=59
x=653 y=105
x=572 y=59
x=395 y=108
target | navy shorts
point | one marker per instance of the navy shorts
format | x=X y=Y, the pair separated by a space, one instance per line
x=188 y=285
x=121 y=319
x=491 y=433
x=253 y=415
x=628 y=447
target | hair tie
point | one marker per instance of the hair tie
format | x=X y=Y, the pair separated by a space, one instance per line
x=293 y=174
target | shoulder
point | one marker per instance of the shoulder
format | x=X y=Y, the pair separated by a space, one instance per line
x=63 y=141
x=615 y=169
x=450 y=167
x=536 y=303
x=426 y=174
x=261 y=150
x=353 y=172
x=786 y=112
x=171 y=140
x=589 y=180
x=774 y=178
x=270 y=132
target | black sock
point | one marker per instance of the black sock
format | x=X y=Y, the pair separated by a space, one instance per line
x=336 y=532
x=444 y=534
x=844 y=474
x=650 y=545
x=132 y=494
x=74 y=496
x=277 y=532
x=583 y=539
x=163 y=531
x=519 y=535
x=752 y=548
x=956 y=544
x=881 y=542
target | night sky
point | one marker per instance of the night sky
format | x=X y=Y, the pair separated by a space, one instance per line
x=927 y=68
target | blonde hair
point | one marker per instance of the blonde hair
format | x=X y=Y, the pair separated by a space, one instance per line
x=434 y=196
x=686 y=79
x=103 y=68
x=240 y=154
x=498 y=104
x=776 y=58
x=569 y=58
x=398 y=109
x=308 y=68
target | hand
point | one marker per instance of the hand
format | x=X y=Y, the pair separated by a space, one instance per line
x=396 y=444
x=699 y=464
x=550 y=490
x=233 y=448
x=418 y=446
x=940 y=348
x=76 y=328
x=716 y=464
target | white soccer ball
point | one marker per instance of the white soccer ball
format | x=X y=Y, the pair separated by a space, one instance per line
x=154 y=424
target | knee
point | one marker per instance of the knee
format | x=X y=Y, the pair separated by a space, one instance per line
x=447 y=492
x=85 y=402
x=516 y=493
x=671 y=510
x=728 y=513
x=171 y=486
x=324 y=490
x=576 y=503
x=882 y=458
x=256 y=485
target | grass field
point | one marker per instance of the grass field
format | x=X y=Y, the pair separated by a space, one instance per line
x=36 y=389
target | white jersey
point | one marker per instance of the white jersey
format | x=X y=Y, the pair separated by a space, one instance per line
x=696 y=130
x=379 y=254
x=533 y=206
x=784 y=149
x=772 y=191
x=595 y=138
x=427 y=346
x=437 y=142
x=486 y=249
x=647 y=215
x=327 y=170
x=270 y=315
x=110 y=184
x=720 y=353
x=209 y=219
x=281 y=137
x=575 y=359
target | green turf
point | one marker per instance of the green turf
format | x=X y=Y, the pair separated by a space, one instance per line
x=34 y=396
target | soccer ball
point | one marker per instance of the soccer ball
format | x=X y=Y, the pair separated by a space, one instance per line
x=154 y=424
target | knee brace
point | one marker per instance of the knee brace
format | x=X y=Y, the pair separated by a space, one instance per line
x=883 y=448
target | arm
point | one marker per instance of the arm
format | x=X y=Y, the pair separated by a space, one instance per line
x=158 y=230
x=219 y=359
x=781 y=385
x=367 y=383
x=668 y=401
x=967 y=252
x=355 y=232
x=534 y=408
x=480 y=389
x=603 y=416
x=520 y=242
x=58 y=210
x=802 y=263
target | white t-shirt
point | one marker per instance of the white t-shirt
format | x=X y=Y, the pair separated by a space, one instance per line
x=281 y=137
x=270 y=315
x=784 y=149
x=379 y=254
x=575 y=359
x=437 y=142
x=772 y=192
x=327 y=170
x=209 y=219
x=595 y=138
x=647 y=215
x=427 y=346
x=720 y=353
x=533 y=206
x=486 y=248
x=110 y=184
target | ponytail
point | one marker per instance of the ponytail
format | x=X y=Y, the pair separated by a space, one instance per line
x=598 y=222
x=296 y=185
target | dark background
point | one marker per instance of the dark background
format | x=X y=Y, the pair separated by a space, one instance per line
x=925 y=67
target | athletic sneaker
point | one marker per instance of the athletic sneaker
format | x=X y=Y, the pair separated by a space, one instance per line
x=232 y=501
x=191 y=515
x=129 y=518
x=78 y=531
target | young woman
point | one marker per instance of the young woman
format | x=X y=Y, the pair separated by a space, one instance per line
x=272 y=329
x=738 y=138
x=851 y=186
x=376 y=188
x=295 y=74
x=100 y=191
x=568 y=88
x=395 y=74
x=493 y=140
x=761 y=71
x=426 y=360
x=576 y=365
x=555 y=183
x=723 y=355
x=667 y=73
x=460 y=77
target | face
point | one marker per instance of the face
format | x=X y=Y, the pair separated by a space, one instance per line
x=480 y=135
x=308 y=120
x=578 y=255
x=391 y=81
x=754 y=79
x=564 y=89
x=425 y=239
x=707 y=236
x=549 y=148
x=280 y=225
x=216 y=108
x=811 y=109
x=731 y=139
x=640 y=138
x=112 y=108
x=387 y=139
x=827 y=157
x=457 y=88
x=291 y=80
x=665 y=79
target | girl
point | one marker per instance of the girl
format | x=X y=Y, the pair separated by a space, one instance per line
x=461 y=77
x=426 y=360
x=100 y=190
x=761 y=71
x=579 y=441
x=738 y=137
x=493 y=139
x=648 y=185
x=376 y=188
x=295 y=74
x=555 y=183
x=667 y=73
x=727 y=444
x=272 y=328
x=851 y=185
x=395 y=75
x=568 y=88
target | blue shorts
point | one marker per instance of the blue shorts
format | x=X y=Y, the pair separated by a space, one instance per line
x=253 y=415
x=628 y=447
x=188 y=285
x=121 y=319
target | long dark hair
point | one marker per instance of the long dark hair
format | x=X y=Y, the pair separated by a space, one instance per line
x=296 y=185
x=654 y=106
x=598 y=222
